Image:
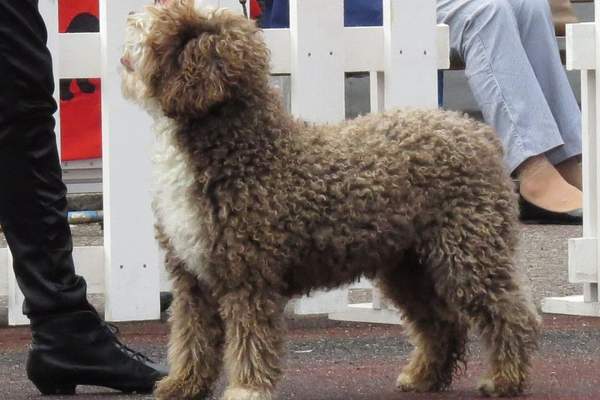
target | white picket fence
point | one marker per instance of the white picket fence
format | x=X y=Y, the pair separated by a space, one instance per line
x=583 y=41
x=402 y=57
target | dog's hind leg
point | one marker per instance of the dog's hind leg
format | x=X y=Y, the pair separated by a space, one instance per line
x=196 y=340
x=474 y=272
x=254 y=343
x=438 y=334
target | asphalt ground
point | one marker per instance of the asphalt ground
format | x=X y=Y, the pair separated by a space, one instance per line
x=328 y=360
x=347 y=361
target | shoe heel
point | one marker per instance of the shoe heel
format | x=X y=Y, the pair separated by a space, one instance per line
x=48 y=388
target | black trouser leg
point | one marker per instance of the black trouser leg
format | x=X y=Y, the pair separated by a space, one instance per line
x=33 y=210
x=70 y=346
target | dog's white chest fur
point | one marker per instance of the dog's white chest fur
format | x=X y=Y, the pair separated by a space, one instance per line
x=175 y=200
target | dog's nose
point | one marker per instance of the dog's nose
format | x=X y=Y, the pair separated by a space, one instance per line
x=127 y=64
x=131 y=12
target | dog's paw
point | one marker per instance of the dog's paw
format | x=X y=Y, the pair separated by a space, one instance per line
x=174 y=389
x=407 y=383
x=497 y=388
x=239 y=393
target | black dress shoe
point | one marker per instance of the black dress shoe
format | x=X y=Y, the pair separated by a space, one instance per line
x=80 y=349
x=532 y=214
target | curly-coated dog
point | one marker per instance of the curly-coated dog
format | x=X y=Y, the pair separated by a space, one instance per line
x=253 y=207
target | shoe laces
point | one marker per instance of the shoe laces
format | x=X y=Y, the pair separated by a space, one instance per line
x=136 y=355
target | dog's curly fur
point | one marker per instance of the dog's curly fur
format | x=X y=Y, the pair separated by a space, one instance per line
x=254 y=207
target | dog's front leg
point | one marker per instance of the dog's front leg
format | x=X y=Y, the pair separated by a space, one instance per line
x=254 y=341
x=196 y=340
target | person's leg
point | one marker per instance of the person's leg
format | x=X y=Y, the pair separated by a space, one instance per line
x=485 y=34
x=536 y=28
x=33 y=197
x=71 y=345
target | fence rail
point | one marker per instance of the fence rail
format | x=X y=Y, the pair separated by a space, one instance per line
x=402 y=56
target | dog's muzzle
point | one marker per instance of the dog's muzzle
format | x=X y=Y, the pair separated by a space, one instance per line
x=127 y=64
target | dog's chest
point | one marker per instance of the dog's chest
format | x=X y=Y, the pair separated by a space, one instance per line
x=176 y=204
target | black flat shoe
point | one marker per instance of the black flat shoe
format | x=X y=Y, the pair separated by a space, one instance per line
x=80 y=349
x=533 y=215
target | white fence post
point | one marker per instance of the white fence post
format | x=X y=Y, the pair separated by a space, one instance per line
x=591 y=178
x=317 y=84
x=590 y=290
x=15 y=297
x=317 y=53
x=377 y=91
x=410 y=77
x=583 y=53
x=410 y=53
x=49 y=11
x=131 y=254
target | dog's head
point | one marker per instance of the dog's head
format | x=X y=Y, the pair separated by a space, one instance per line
x=185 y=61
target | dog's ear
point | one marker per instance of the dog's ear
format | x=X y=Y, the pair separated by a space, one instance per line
x=205 y=59
x=193 y=81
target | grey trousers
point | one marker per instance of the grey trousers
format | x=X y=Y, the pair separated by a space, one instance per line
x=515 y=73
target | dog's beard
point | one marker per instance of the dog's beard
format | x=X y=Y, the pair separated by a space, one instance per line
x=132 y=87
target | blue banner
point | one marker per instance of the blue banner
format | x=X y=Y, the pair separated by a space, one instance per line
x=356 y=13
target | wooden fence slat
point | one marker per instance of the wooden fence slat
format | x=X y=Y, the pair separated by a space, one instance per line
x=131 y=254
x=79 y=54
x=15 y=298
x=590 y=290
x=4 y=272
x=363 y=49
x=317 y=55
x=581 y=46
x=410 y=53
x=317 y=84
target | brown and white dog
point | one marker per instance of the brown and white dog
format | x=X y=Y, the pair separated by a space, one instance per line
x=253 y=207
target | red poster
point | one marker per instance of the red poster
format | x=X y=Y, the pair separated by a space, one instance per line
x=80 y=118
x=255 y=10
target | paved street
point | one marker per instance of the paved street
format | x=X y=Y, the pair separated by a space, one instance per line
x=343 y=361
